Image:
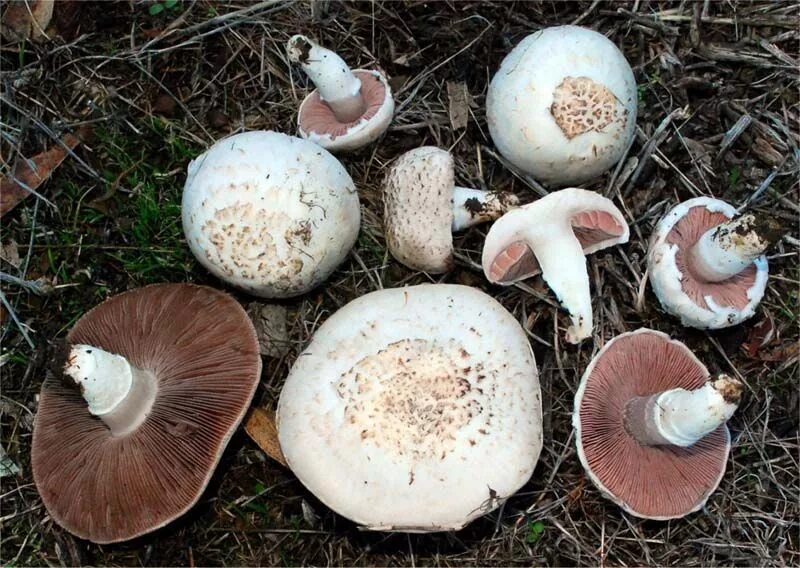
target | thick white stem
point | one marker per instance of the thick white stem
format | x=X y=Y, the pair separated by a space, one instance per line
x=474 y=206
x=105 y=379
x=118 y=393
x=726 y=250
x=563 y=266
x=680 y=417
x=337 y=85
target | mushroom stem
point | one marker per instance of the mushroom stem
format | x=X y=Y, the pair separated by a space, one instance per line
x=724 y=251
x=118 y=393
x=474 y=206
x=563 y=265
x=338 y=87
x=680 y=417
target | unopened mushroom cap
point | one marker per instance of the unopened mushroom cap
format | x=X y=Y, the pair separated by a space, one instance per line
x=705 y=305
x=653 y=482
x=562 y=106
x=201 y=348
x=418 y=209
x=271 y=214
x=317 y=122
x=414 y=409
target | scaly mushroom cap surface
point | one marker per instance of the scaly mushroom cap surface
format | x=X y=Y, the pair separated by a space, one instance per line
x=414 y=409
x=552 y=235
x=201 y=348
x=317 y=122
x=271 y=214
x=562 y=106
x=701 y=304
x=653 y=482
x=418 y=209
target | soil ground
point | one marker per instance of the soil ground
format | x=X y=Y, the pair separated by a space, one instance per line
x=718 y=112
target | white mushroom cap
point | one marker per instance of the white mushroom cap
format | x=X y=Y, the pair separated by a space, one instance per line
x=562 y=106
x=418 y=209
x=674 y=286
x=414 y=409
x=552 y=235
x=423 y=206
x=269 y=213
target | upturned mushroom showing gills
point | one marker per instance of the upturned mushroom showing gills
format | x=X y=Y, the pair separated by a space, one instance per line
x=348 y=109
x=651 y=425
x=552 y=235
x=414 y=409
x=423 y=207
x=155 y=383
x=706 y=264
x=271 y=214
x=562 y=106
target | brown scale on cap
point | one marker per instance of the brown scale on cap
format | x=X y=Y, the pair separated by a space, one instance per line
x=580 y=105
x=424 y=396
x=202 y=350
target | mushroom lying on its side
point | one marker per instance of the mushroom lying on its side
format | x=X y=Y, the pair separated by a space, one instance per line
x=650 y=425
x=706 y=265
x=423 y=206
x=271 y=214
x=414 y=409
x=161 y=377
x=552 y=235
x=349 y=109
x=562 y=106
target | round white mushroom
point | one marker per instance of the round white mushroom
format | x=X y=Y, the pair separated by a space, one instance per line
x=562 y=106
x=414 y=409
x=269 y=213
x=706 y=265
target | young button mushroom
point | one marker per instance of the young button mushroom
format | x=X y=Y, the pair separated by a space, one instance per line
x=156 y=382
x=552 y=235
x=650 y=425
x=562 y=106
x=269 y=213
x=349 y=109
x=706 y=265
x=414 y=409
x=423 y=206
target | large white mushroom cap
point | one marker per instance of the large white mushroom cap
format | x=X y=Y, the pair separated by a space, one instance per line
x=269 y=213
x=414 y=409
x=562 y=106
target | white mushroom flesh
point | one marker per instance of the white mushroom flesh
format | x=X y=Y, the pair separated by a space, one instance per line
x=552 y=236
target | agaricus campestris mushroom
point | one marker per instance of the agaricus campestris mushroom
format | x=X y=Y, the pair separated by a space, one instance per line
x=348 y=109
x=552 y=235
x=650 y=425
x=414 y=409
x=269 y=213
x=423 y=206
x=706 y=264
x=562 y=106
x=156 y=382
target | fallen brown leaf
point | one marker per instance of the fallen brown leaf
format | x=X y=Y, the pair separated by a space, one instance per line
x=459 y=98
x=27 y=19
x=12 y=187
x=260 y=426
